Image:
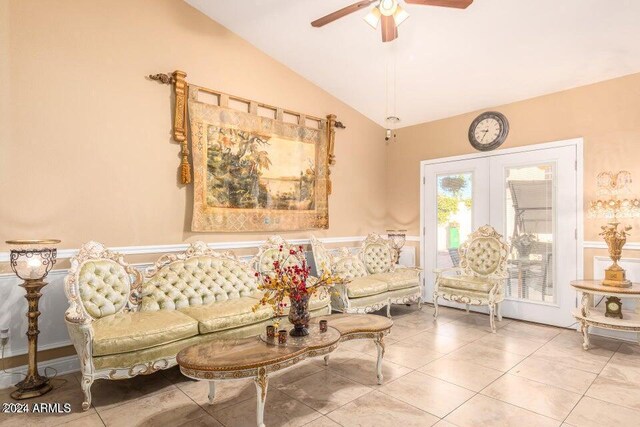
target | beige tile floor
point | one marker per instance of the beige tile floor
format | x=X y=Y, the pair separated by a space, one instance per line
x=450 y=373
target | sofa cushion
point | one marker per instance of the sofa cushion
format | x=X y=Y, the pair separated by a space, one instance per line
x=401 y=278
x=470 y=297
x=133 y=331
x=365 y=286
x=467 y=283
x=228 y=314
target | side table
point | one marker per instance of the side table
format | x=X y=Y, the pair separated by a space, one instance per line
x=588 y=315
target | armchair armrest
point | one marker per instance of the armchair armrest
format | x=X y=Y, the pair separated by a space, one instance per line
x=339 y=296
x=81 y=334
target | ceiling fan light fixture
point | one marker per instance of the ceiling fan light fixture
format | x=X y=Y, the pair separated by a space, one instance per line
x=400 y=15
x=388 y=7
x=373 y=17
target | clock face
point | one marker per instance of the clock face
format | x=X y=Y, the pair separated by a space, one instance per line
x=488 y=131
x=613 y=306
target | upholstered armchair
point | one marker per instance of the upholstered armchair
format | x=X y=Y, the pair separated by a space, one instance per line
x=480 y=278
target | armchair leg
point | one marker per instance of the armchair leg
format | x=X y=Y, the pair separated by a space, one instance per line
x=420 y=303
x=492 y=312
x=389 y=309
x=467 y=308
x=87 y=381
x=435 y=305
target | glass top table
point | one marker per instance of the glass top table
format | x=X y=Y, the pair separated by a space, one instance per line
x=258 y=357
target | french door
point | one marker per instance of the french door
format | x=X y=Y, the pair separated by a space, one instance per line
x=533 y=198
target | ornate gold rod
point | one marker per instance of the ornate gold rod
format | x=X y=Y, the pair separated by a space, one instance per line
x=177 y=79
x=180 y=87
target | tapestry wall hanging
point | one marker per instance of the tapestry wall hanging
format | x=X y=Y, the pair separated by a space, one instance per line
x=255 y=167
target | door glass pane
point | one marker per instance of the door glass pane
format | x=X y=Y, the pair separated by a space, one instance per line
x=529 y=229
x=455 y=220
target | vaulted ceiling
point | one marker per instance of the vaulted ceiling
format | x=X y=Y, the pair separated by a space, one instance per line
x=445 y=61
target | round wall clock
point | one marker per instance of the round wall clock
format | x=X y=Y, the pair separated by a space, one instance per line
x=488 y=131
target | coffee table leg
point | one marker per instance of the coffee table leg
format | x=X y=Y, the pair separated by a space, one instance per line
x=261 y=389
x=212 y=391
x=380 y=345
x=326 y=360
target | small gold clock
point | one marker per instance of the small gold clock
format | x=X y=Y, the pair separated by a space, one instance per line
x=613 y=307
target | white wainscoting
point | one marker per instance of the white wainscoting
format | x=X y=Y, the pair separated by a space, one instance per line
x=53 y=304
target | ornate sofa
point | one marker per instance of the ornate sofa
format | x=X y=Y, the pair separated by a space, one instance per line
x=123 y=324
x=480 y=278
x=374 y=281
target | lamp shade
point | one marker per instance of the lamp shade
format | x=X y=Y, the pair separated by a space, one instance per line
x=614 y=208
x=397 y=238
x=614 y=200
x=32 y=259
x=400 y=15
x=373 y=18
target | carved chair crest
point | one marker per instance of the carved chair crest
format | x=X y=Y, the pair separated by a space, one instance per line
x=323 y=258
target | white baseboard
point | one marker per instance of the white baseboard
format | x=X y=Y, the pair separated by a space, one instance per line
x=61 y=366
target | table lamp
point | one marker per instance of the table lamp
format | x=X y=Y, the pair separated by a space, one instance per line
x=397 y=239
x=613 y=205
x=31 y=261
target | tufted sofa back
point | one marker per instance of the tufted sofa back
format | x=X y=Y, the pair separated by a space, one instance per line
x=270 y=251
x=377 y=258
x=484 y=253
x=266 y=258
x=197 y=280
x=348 y=266
x=377 y=255
x=104 y=287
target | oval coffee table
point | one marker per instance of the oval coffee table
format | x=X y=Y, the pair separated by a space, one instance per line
x=258 y=357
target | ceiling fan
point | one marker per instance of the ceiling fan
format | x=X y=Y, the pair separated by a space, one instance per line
x=388 y=13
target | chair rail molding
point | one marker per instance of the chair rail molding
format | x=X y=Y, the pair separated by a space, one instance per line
x=598 y=244
x=162 y=249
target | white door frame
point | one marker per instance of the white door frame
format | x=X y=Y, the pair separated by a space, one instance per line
x=574 y=142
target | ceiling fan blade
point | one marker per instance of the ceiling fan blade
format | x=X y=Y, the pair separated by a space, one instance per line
x=389 y=28
x=458 y=4
x=340 y=13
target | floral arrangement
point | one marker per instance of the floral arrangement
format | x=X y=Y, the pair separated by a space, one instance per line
x=291 y=279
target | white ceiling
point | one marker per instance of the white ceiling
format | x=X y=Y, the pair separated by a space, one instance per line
x=447 y=61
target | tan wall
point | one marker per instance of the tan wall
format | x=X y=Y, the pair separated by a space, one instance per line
x=86 y=151
x=606 y=115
